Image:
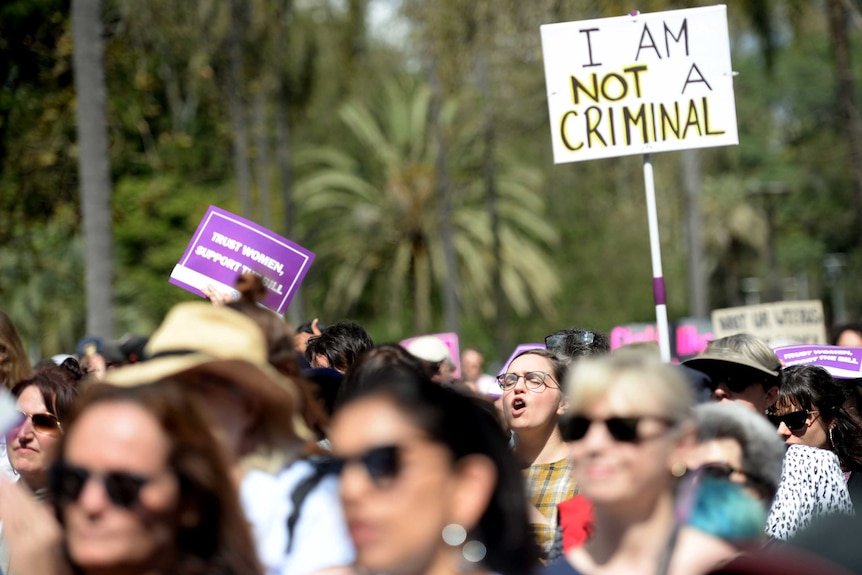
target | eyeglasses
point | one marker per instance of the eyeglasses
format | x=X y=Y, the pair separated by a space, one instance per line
x=44 y=423
x=382 y=464
x=532 y=379
x=795 y=420
x=123 y=488
x=624 y=429
x=558 y=340
x=722 y=470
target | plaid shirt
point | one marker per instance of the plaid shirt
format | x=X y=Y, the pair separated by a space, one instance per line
x=547 y=485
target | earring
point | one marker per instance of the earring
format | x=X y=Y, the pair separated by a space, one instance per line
x=455 y=535
x=831 y=442
x=678 y=469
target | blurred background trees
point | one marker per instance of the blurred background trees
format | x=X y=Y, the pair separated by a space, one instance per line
x=406 y=143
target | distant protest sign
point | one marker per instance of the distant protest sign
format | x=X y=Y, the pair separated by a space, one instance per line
x=639 y=84
x=450 y=339
x=521 y=348
x=779 y=323
x=689 y=336
x=841 y=362
x=226 y=245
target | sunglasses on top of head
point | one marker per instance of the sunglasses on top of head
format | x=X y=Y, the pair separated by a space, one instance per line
x=44 y=423
x=795 y=420
x=622 y=429
x=381 y=463
x=558 y=341
x=68 y=481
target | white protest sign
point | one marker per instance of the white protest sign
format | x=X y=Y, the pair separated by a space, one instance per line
x=779 y=323
x=639 y=84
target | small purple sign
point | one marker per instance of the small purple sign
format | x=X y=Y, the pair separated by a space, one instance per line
x=522 y=347
x=840 y=362
x=226 y=245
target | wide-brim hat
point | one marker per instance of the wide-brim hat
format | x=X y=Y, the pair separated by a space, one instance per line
x=199 y=338
x=721 y=360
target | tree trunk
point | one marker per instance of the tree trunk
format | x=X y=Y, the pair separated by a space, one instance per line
x=850 y=117
x=94 y=164
x=236 y=106
x=294 y=310
x=441 y=179
x=698 y=296
x=261 y=156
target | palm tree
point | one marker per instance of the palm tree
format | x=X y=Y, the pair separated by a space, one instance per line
x=376 y=219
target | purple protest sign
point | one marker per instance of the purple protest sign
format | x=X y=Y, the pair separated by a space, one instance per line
x=226 y=245
x=451 y=341
x=522 y=347
x=840 y=362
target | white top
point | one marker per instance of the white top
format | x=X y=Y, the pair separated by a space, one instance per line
x=320 y=536
x=812 y=485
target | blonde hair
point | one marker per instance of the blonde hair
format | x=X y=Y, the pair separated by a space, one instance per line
x=638 y=377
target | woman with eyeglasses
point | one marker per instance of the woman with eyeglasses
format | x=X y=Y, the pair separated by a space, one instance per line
x=140 y=487
x=428 y=482
x=533 y=402
x=814 y=409
x=630 y=425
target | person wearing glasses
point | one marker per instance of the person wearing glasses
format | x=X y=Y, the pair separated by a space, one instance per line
x=629 y=429
x=44 y=401
x=744 y=369
x=533 y=402
x=428 y=482
x=814 y=409
x=140 y=486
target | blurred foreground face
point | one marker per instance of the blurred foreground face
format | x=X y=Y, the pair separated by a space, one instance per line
x=620 y=472
x=121 y=451
x=397 y=487
x=33 y=446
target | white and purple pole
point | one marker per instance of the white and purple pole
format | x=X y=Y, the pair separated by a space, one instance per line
x=655 y=252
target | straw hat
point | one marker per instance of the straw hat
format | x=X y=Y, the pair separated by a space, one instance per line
x=199 y=338
x=723 y=360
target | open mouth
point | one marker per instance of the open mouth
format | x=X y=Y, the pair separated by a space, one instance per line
x=518 y=405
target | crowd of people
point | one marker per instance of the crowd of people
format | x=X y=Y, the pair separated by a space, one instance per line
x=228 y=443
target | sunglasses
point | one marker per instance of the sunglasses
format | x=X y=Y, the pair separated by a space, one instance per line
x=557 y=341
x=721 y=470
x=532 y=379
x=795 y=420
x=382 y=464
x=44 y=423
x=623 y=429
x=68 y=481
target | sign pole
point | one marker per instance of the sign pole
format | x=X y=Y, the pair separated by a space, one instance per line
x=655 y=252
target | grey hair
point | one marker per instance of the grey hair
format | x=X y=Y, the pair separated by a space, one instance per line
x=762 y=448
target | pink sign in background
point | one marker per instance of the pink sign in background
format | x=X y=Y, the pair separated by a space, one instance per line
x=451 y=341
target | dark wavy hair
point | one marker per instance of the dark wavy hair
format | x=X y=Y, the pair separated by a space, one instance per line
x=219 y=540
x=466 y=425
x=811 y=387
x=341 y=344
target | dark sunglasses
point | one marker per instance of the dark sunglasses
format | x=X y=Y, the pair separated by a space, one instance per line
x=68 y=481
x=721 y=470
x=623 y=429
x=735 y=382
x=44 y=423
x=557 y=341
x=382 y=464
x=795 y=420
